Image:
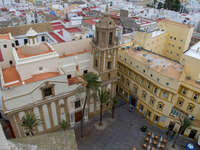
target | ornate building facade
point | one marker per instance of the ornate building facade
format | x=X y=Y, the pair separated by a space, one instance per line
x=105 y=52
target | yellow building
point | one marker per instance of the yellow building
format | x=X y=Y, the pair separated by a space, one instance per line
x=160 y=87
x=171 y=40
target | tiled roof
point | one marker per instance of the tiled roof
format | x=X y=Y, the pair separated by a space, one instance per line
x=4 y=36
x=10 y=74
x=56 y=37
x=22 y=30
x=73 y=30
x=42 y=76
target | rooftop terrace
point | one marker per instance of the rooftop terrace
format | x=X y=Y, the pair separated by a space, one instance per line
x=157 y=63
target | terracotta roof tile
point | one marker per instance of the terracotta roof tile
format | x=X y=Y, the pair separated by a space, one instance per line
x=22 y=30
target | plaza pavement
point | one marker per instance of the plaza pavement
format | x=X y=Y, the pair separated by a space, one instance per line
x=120 y=134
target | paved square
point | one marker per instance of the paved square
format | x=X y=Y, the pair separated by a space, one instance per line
x=121 y=134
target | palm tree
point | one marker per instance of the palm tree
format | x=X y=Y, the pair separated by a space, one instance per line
x=29 y=122
x=103 y=98
x=184 y=124
x=63 y=124
x=92 y=83
x=114 y=103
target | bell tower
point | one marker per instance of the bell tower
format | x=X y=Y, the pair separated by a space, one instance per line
x=105 y=52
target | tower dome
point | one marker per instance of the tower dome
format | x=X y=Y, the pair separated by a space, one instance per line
x=106 y=21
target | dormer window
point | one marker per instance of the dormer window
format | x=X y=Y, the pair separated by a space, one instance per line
x=195 y=97
x=5 y=46
x=184 y=91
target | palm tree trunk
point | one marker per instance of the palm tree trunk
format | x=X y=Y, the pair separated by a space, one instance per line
x=113 y=112
x=83 y=111
x=101 y=114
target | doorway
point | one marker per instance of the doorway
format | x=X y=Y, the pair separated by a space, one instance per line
x=192 y=133
x=78 y=116
x=133 y=100
x=171 y=126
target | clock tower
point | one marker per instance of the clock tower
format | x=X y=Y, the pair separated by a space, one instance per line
x=105 y=52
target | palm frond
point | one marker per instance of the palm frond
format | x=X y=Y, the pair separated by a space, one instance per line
x=103 y=96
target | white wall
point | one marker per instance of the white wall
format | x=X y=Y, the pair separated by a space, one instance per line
x=32 y=68
x=18 y=99
x=6 y=53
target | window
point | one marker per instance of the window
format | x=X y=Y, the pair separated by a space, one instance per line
x=156 y=119
x=148 y=114
x=17 y=43
x=77 y=104
x=96 y=63
x=85 y=71
x=125 y=59
x=144 y=95
x=170 y=37
x=5 y=46
x=190 y=107
x=25 y=41
x=196 y=95
x=160 y=106
x=164 y=94
x=110 y=38
x=127 y=82
x=152 y=101
x=109 y=65
x=135 y=76
x=10 y=62
x=148 y=85
x=158 y=79
x=183 y=91
x=141 y=108
x=155 y=90
x=151 y=75
x=47 y=91
x=135 y=90
x=180 y=102
x=43 y=38
x=174 y=38
x=40 y=68
x=137 y=67
x=69 y=76
x=167 y=83
x=13 y=44
x=179 y=47
x=144 y=71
